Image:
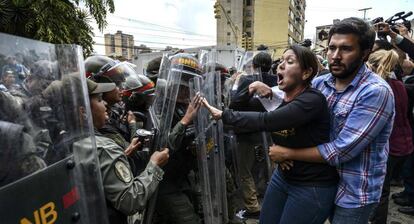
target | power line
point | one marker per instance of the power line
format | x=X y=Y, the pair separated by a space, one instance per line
x=164 y=36
x=118 y=25
x=164 y=27
x=153 y=42
x=128 y=47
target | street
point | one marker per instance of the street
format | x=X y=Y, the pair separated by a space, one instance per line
x=394 y=217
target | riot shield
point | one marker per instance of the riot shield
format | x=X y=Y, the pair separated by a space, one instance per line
x=166 y=91
x=162 y=113
x=263 y=167
x=266 y=138
x=47 y=174
x=210 y=148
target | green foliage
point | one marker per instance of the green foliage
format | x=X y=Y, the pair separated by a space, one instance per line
x=55 y=21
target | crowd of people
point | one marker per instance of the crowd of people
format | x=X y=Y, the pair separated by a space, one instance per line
x=337 y=133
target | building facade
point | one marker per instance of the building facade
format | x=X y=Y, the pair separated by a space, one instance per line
x=250 y=23
x=119 y=45
x=321 y=38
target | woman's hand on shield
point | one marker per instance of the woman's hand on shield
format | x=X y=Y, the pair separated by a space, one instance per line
x=216 y=113
x=192 y=110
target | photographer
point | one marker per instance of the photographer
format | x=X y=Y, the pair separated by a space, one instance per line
x=402 y=42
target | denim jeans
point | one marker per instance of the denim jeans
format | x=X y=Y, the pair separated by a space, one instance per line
x=353 y=215
x=407 y=174
x=292 y=204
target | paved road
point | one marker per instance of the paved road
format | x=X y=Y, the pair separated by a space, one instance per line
x=394 y=217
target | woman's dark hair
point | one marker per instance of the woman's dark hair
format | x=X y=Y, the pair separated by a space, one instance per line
x=275 y=64
x=357 y=26
x=263 y=61
x=306 y=58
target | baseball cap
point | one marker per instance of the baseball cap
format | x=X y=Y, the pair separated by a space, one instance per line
x=94 y=88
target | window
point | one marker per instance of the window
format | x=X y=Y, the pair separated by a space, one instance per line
x=248 y=2
x=228 y=33
x=228 y=11
x=228 y=44
x=124 y=41
x=291 y=27
x=228 y=1
x=249 y=23
x=248 y=13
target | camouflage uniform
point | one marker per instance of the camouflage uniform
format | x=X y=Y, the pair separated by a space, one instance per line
x=125 y=193
x=18 y=153
x=174 y=202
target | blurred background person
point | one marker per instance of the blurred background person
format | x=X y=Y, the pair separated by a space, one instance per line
x=383 y=63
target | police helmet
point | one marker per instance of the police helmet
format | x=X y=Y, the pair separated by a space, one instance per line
x=187 y=65
x=153 y=68
x=138 y=92
x=104 y=69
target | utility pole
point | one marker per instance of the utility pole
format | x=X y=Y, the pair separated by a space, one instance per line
x=365 y=11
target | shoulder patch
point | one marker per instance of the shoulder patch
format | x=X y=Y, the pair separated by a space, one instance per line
x=123 y=172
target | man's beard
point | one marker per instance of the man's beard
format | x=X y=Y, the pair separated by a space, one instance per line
x=349 y=70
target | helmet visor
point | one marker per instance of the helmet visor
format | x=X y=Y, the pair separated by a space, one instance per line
x=119 y=73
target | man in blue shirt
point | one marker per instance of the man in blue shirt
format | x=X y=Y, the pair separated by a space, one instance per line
x=362 y=112
x=18 y=69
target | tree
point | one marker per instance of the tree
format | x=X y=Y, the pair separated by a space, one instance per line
x=55 y=21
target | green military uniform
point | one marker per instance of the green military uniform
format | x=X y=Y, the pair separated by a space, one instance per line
x=111 y=132
x=125 y=194
x=18 y=157
x=173 y=203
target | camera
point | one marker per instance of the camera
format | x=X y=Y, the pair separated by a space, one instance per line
x=146 y=138
x=393 y=21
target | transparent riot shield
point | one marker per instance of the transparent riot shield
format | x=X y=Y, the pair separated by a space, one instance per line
x=166 y=91
x=162 y=112
x=49 y=171
x=266 y=138
x=210 y=149
x=244 y=68
x=246 y=62
x=263 y=167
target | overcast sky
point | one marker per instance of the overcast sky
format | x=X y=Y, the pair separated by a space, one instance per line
x=190 y=23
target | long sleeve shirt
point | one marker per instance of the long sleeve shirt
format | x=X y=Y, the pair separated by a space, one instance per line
x=124 y=192
x=401 y=143
x=300 y=123
x=362 y=116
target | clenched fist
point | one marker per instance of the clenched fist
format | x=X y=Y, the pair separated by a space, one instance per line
x=160 y=158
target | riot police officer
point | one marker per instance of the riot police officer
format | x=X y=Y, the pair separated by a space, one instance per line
x=125 y=192
x=103 y=69
x=153 y=68
x=175 y=201
x=138 y=95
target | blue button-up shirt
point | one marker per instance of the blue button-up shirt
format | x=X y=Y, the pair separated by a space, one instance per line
x=362 y=116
